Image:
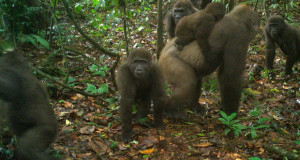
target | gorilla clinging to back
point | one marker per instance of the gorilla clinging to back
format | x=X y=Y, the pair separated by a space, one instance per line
x=29 y=113
x=198 y=26
x=185 y=69
x=286 y=37
x=140 y=80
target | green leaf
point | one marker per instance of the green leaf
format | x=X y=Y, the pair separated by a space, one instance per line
x=254 y=158
x=297 y=142
x=227 y=130
x=232 y=116
x=103 y=89
x=42 y=41
x=254 y=113
x=262 y=126
x=262 y=120
x=234 y=121
x=189 y=123
x=239 y=126
x=237 y=133
x=104 y=68
x=28 y=38
x=91 y=88
x=77 y=8
x=143 y=120
x=93 y=68
x=224 y=115
x=201 y=135
x=113 y=145
x=222 y=120
x=70 y=81
x=253 y=133
x=101 y=73
x=110 y=100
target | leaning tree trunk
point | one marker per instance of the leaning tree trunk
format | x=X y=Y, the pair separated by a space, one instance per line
x=159 y=29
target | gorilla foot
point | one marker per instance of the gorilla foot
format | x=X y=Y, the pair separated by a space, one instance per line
x=176 y=116
x=159 y=125
x=126 y=136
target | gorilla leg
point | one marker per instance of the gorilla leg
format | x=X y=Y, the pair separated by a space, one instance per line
x=270 y=55
x=126 y=115
x=195 y=106
x=158 y=103
x=186 y=90
x=143 y=107
x=230 y=80
x=291 y=60
x=34 y=141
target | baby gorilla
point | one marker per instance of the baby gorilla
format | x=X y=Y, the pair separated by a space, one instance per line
x=29 y=113
x=140 y=79
x=198 y=26
x=286 y=37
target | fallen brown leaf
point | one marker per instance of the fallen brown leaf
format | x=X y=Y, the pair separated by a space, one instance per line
x=206 y=144
x=147 y=151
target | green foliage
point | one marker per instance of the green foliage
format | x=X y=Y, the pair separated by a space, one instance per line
x=168 y=89
x=93 y=89
x=297 y=142
x=211 y=83
x=98 y=70
x=71 y=81
x=113 y=144
x=232 y=125
x=8 y=153
x=259 y=123
x=18 y=18
x=255 y=158
x=33 y=39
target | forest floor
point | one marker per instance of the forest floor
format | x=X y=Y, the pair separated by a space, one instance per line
x=90 y=127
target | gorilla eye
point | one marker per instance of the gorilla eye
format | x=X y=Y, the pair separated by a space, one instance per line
x=140 y=62
x=179 y=10
x=273 y=25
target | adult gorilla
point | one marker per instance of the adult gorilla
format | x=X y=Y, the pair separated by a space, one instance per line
x=185 y=69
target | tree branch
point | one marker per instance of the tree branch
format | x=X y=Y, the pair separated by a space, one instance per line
x=61 y=83
x=84 y=35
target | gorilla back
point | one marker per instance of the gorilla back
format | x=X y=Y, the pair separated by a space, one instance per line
x=29 y=113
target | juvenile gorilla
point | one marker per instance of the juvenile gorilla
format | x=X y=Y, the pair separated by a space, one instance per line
x=286 y=37
x=185 y=69
x=29 y=113
x=141 y=80
x=198 y=26
x=181 y=8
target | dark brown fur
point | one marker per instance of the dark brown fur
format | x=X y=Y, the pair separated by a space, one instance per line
x=200 y=4
x=142 y=89
x=287 y=37
x=29 y=113
x=198 y=26
x=184 y=69
x=181 y=8
x=204 y=3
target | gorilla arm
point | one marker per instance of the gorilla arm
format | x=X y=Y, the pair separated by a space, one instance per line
x=127 y=90
x=8 y=84
x=158 y=94
x=270 y=49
